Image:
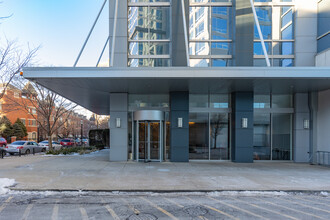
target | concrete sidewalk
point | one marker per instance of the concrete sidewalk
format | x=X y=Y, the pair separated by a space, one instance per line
x=95 y=172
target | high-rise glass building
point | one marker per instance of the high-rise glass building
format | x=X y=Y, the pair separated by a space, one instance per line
x=190 y=80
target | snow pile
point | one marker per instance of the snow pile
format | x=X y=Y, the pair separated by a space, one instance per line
x=4 y=184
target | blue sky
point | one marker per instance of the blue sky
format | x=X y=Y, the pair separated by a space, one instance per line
x=59 y=26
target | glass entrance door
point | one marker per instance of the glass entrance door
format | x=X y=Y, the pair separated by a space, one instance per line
x=149 y=140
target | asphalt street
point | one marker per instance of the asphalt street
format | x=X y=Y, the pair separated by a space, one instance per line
x=216 y=205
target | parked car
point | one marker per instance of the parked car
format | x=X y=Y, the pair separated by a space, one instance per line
x=45 y=147
x=78 y=142
x=67 y=142
x=26 y=147
x=85 y=141
x=3 y=142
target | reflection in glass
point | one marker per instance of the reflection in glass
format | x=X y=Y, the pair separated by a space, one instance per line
x=151 y=48
x=221 y=62
x=281 y=136
x=136 y=101
x=261 y=137
x=287 y=33
x=199 y=48
x=148 y=23
x=219 y=136
x=198 y=136
x=261 y=101
x=259 y=62
x=130 y=137
x=199 y=62
x=282 y=101
x=220 y=24
x=257 y=50
x=265 y=20
x=283 y=62
x=219 y=101
x=152 y=62
x=198 y=101
x=221 y=48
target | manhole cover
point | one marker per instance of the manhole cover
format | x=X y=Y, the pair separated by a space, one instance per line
x=142 y=216
x=196 y=211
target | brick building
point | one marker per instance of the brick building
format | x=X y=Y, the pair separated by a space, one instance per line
x=10 y=107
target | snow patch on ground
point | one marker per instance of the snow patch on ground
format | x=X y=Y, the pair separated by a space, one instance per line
x=325 y=194
x=4 y=184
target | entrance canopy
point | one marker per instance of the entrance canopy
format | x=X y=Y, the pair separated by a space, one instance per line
x=90 y=86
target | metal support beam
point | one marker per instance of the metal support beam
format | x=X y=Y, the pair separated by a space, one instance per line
x=185 y=31
x=105 y=45
x=114 y=34
x=89 y=34
x=260 y=33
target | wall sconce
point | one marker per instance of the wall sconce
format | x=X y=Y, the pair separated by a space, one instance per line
x=244 y=122
x=117 y=122
x=306 y=124
x=180 y=122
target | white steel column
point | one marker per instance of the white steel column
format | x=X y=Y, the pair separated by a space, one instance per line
x=260 y=33
x=185 y=32
x=114 y=34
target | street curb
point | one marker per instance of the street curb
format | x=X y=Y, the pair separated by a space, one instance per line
x=167 y=191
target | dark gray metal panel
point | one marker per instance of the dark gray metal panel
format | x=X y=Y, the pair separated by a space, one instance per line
x=242 y=138
x=179 y=137
x=244 y=33
x=118 y=136
x=179 y=57
x=301 y=136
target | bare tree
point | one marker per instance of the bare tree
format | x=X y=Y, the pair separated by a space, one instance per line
x=218 y=122
x=50 y=110
x=12 y=60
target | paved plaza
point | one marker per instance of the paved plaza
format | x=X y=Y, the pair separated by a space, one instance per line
x=95 y=172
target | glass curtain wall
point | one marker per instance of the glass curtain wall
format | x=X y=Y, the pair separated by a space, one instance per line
x=210 y=33
x=276 y=23
x=149 y=30
x=209 y=127
x=273 y=127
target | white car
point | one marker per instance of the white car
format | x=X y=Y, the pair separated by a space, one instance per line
x=45 y=147
x=26 y=147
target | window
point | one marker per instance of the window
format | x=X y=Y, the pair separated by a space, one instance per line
x=149 y=33
x=276 y=23
x=32 y=110
x=16 y=94
x=34 y=136
x=210 y=33
x=23 y=121
x=32 y=122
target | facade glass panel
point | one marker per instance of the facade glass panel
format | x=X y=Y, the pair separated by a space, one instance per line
x=276 y=23
x=198 y=136
x=219 y=144
x=261 y=137
x=210 y=33
x=281 y=136
x=222 y=62
x=282 y=101
x=136 y=101
x=261 y=101
x=198 y=101
x=219 y=101
x=148 y=23
x=149 y=34
x=265 y=20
